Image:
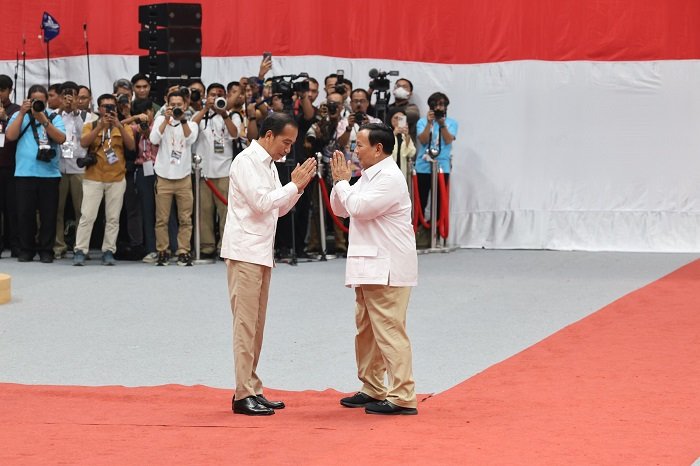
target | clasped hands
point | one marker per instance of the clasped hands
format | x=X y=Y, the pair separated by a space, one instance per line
x=302 y=174
x=341 y=169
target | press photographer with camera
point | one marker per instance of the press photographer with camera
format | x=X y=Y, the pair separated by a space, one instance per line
x=8 y=204
x=244 y=116
x=403 y=91
x=106 y=141
x=197 y=94
x=215 y=145
x=436 y=132
x=174 y=134
x=347 y=129
x=71 y=183
x=37 y=173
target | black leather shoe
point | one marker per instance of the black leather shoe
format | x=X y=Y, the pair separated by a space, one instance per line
x=251 y=407
x=46 y=258
x=387 y=407
x=358 y=400
x=269 y=404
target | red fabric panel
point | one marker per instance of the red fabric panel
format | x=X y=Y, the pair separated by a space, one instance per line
x=449 y=31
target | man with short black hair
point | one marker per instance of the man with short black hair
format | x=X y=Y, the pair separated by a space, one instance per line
x=349 y=126
x=55 y=99
x=8 y=209
x=256 y=198
x=382 y=266
x=142 y=88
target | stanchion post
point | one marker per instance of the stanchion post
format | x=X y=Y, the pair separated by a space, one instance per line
x=411 y=193
x=197 y=161
x=321 y=213
x=433 y=203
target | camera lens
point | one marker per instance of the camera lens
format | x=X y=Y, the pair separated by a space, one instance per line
x=184 y=90
x=196 y=95
x=38 y=105
x=122 y=99
x=177 y=112
x=220 y=103
x=332 y=107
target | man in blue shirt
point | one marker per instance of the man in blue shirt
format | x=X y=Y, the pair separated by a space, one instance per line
x=436 y=132
x=38 y=135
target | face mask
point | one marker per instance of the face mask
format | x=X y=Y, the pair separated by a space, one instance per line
x=401 y=93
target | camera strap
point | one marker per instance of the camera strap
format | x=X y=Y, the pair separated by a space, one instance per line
x=34 y=128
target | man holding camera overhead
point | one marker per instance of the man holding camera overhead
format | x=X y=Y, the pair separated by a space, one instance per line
x=174 y=135
x=215 y=145
x=38 y=135
x=105 y=167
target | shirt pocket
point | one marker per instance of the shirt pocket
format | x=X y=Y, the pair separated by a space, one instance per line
x=363 y=261
x=253 y=227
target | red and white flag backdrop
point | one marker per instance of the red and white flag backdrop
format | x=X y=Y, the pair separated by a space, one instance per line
x=579 y=120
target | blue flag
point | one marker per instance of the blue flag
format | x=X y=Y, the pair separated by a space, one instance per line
x=50 y=27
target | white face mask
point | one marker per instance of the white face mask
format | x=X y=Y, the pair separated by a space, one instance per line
x=401 y=93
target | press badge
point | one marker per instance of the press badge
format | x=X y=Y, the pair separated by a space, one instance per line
x=111 y=156
x=148 y=168
x=67 y=150
x=175 y=157
x=218 y=146
x=2 y=139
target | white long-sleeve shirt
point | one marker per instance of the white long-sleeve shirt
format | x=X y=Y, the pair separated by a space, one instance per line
x=174 y=158
x=256 y=199
x=382 y=244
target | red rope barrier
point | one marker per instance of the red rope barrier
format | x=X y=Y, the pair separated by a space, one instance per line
x=417 y=209
x=444 y=221
x=329 y=209
x=216 y=192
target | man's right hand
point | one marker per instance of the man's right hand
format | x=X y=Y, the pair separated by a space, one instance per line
x=351 y=120
x=26 y=107
x=168 y=114
x=430 y=116
x=302 y=174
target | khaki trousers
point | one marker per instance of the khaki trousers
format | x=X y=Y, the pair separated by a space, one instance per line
x=248 y=289
x=382 y=345
x=208 y=203
x=93 y=191
x=71 y=183
x=181 y=190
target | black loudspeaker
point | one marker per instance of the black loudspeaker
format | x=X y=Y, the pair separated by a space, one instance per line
x=174 y=64
x=171 y=40
x=171 y=14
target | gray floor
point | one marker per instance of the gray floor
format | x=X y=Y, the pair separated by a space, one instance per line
x=135 y=324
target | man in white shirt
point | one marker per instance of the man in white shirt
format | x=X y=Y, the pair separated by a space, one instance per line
x=382 y=266
x=215 y=145
x=174 y=135
x=256 y=198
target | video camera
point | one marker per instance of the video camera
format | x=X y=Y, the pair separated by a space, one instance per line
x=286 y=85
x=379 y=81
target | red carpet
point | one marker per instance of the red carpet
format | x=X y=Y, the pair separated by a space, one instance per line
x=619 y=387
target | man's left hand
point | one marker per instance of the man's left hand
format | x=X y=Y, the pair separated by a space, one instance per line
x=340 y=168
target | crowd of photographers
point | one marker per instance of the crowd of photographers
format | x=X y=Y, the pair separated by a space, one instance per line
x=119 y=170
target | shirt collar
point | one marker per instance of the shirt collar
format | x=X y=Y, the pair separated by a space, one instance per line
x=372 y=171
x=260 y=152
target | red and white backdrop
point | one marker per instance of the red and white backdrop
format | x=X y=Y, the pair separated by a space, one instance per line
x=579 y=120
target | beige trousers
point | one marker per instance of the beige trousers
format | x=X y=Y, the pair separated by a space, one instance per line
x=248 y=289
x=70 y=184
x=181 y=190
x=382 y=345
x=208 y=204
x=93 y=191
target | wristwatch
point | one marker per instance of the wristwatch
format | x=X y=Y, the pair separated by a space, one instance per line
x=45 y=124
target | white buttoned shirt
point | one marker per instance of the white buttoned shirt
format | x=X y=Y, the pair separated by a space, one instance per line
x=256 y=199
x=382 y=244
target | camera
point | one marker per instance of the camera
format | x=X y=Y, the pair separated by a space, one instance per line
x=87 y=161
x=359 y=118
x=439 y=114
x=143 y=125
x=45 y=153
x=379 y=81
x=110 y=108
x=177 y=113
x=195 y=95
x=285 y=86
x=185 y=91
x=220 y=103
x=38 y=105
x=332 y=107
x=122 y=99
x=340 y=83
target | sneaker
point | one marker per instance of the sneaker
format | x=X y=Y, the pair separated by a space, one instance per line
x=78 y=258
x=184 y=259
x=108 y=258
x=358 y=400
x=163 y=258
x=150 y=258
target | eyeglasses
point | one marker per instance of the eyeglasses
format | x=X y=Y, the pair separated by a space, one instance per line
x=359 y=101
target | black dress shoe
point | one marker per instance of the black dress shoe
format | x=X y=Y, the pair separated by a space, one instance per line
x=269 y=404
x=358 y=400
x=46 y=258
x=387 y=407
x=251 y=407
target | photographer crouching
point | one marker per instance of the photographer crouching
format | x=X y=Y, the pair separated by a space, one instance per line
x=105 y=168
x=37 y=173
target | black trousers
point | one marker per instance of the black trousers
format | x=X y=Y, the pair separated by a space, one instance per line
x=36 y=194
x=132 y=211
x=424 y=188
x=8 y=210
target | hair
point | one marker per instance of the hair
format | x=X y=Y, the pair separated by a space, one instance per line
x=231 y=85
x=195 y=81
x=410 y=84
x=359 y=89
x=85 y=87
x=216 y=86
x=139 y=77
x=175 y=94
x=124 y=83
x=276 y=122
x=56 y=87
x=379 y=133
x=5 y=82
x=141 y=106
x=434 y=97
x=313 y=80
x=70 y=85
x=325 y=80
x=37 y=88
x=104 y=97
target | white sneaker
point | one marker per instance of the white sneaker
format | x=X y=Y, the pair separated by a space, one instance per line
x=150 y=258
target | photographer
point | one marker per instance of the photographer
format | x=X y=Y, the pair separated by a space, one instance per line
x=348 y=127
x=436 y=132
x=8 y=207
x=55 y=99
x=403 y=90
x=142 y=89
x=71 y=183
x=215 y=145
x=175 y=135
x=106 y=141
x=404 y=149
x=197 y=91
x=338 y=83
x=37 y=175
x=244 y=116
x=123 y=92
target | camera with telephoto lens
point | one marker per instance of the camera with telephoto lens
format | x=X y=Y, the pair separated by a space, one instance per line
x=38 y=105
x=439 y=114
x=360 y=117
x=185 y=91
x=87 y=161
x=332 y=107
x=45 y=153
x=220 y=103
x=177 y=113
x=195 y=95
x=122 y=99
x=143 y=125
x=379 y=81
